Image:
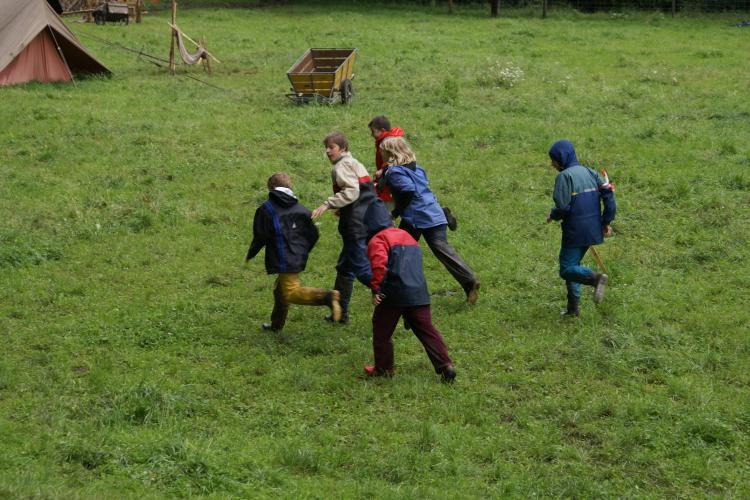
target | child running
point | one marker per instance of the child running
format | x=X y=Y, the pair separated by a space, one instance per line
x=420 y=212
x=399 y=289
x=284 y=227
x=353 y=192
x=380 y=128
x=579 y=194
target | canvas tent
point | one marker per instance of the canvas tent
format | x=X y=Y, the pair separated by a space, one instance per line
x=35 y=45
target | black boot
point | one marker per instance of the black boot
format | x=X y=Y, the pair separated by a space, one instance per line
x=452 y=222
x=344 y=286
x=448 y=374
x=572 y=310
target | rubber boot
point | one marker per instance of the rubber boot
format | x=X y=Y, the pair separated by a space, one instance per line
x=333 y=300
x=345 y=286
x=599 y=283
x=571 y=311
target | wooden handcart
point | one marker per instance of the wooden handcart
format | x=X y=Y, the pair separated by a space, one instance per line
x=323 y=75
x=116 y=12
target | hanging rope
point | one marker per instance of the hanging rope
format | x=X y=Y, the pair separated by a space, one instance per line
x=187 y=57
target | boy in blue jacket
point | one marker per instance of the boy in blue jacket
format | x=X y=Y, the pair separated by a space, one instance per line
x=579 y=194
x=284 y=227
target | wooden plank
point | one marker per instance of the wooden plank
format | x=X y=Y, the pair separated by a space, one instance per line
x=350 y=67
x=311 y=77
x=342 y=53
x=298 y=61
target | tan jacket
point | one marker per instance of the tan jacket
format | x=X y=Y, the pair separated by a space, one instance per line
x=346 y=174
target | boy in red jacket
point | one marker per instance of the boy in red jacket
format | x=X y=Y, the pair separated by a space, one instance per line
x=380 y=128
x=399 y=289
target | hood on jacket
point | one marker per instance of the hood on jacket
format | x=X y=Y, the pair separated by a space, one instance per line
x=394 y=132
x=564 y=154
x=282 y=198
x=377 y=218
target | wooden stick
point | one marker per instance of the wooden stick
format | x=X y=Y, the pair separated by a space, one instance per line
x=172 y=67
x=598 y=259
x=195 y=43
x=206 y=61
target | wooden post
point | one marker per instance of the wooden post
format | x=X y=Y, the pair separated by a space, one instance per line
x=173 y=32
x=544 y=9
x=138 y=9
x=206 y=59
x=450 y=6
x=89 y=6
x=674 y=7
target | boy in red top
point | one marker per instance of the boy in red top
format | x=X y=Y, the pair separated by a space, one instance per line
x=380 y=128
x=399 y=289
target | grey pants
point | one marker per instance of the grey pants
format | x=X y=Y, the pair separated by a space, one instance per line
x=437 y=239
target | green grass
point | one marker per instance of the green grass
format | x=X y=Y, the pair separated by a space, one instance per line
x=133 y=364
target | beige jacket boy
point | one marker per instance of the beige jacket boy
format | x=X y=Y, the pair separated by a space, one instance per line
x=347 y=174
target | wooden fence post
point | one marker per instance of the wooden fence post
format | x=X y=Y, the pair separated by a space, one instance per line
x=544 y=9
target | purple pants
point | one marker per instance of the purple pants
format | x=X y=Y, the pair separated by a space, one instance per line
x=384 y=321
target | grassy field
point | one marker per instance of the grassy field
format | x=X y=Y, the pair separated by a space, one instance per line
x=133 y=364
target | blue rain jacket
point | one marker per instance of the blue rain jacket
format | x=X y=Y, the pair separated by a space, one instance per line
x=415 y=203
x=579 y=195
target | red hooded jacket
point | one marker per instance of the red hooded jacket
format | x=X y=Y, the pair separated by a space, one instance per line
x=383 y=192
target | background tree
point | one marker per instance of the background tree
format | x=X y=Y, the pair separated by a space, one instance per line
x=494 y=7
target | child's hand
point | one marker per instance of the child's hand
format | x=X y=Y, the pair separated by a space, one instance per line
x=377 y=298
x=319 y=211
x=549 y=219
x=607 y=231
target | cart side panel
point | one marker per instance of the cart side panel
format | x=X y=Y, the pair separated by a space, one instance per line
x=348 y=72
x=304 y=59
x=344 y=72
x=312 y=83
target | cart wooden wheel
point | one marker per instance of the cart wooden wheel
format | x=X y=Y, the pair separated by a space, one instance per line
x=347 y=91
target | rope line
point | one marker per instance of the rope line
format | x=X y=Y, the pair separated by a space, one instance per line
x=157 y=60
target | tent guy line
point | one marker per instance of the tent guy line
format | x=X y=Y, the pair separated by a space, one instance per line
x=155 y=60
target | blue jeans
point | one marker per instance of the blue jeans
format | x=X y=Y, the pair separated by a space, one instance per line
x=573 y=272
x=352 y=263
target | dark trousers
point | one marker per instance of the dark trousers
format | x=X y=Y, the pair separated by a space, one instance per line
x=384 y=321
x=437 y=240
x=353 y=263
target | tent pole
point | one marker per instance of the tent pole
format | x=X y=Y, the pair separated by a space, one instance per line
x=59 y=50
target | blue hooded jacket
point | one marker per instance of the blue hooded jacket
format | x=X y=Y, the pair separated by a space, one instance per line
x=415 y=203
x=579 y=194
